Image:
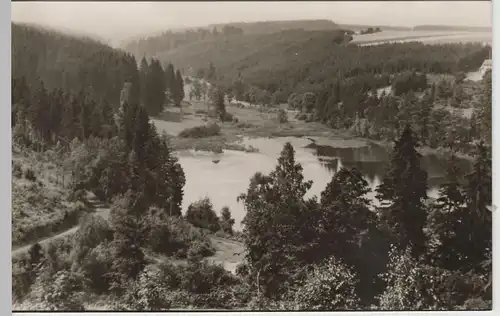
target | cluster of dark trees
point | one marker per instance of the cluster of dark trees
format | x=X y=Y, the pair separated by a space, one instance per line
x=71 y=64
x=407 y=253
x=201 y=214
x=382 y=115
x=160 y=87
x=300 y=61
x=370 y=30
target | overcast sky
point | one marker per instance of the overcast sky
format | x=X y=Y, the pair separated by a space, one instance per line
x=117 y=20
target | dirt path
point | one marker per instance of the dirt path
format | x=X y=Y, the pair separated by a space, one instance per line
x=229 y=253
x=99 y=209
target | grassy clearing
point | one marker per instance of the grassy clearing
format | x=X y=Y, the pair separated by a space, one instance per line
x=193 y=129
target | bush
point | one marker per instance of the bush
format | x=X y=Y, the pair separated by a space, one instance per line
x=200 y=248
x=29 y=174
x=175 y=236
x=201 y=131
x=59 y=292
x=301 y=116
x=412 y=285
x=228 y=117
x=148 y=292
x=282 y=116
x=77 y=195
x=21 y=280
x=17 y=171
x=332 y=286
x=201 y=277
x=201 y=214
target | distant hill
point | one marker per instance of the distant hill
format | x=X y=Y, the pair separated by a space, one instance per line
x=266 y=27
x=175 y=38
x=452 y=28
x=255 y=56
x=306 y=60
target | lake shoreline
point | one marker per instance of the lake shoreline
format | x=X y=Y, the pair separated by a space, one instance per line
x=232 y=135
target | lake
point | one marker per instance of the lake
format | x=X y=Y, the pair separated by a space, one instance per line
x=222 y=182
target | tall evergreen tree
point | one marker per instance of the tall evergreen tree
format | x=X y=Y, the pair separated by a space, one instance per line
x=128 y=237
x=144 y=73
x=279 y=225
x=179 y=93
x=170 y=81
x=211 y=72
x=403 y=193
x=479 y=205
x=445 y=218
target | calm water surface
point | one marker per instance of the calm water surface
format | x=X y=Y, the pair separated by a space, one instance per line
x=222 y=182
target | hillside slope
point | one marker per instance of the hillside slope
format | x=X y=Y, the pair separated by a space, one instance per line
x=304 y=60
x=67 y=62
x=258 y=57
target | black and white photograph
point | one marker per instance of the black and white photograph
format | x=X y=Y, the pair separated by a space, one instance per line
x=251 y=156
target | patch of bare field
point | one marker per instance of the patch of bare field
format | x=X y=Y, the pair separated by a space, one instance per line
x=428 y=37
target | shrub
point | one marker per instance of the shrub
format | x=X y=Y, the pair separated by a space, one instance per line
x=59 y=292
x=202 y=277
x=21 y=280
x=148 y=292
x=200 y=248
x=201 y=131
x=201 y=214
x=331 y=286
x=17 y=171
x=301 y=116
x=226 y=222
x=412 y=285
x=77 y=196
x=282 y=116
x=29 y=174
x=175 y=236
x=95 y=267
x=228 y=117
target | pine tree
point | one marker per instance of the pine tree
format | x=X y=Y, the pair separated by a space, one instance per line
x=85 y=116
x=96 y=121
x=144 y=74
x=179 y=92
x=211 y=72
x=128 y=237
x=445 y=217
x=170 y=82
x=279 y=224
x=218 y=102
x=479 y=206
x=226 y=221
x=403 y=193
x=347 y=230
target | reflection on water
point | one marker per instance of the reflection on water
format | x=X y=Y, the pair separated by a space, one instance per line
x=223 y=181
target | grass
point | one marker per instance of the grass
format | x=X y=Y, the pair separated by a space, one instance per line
x=39 y=206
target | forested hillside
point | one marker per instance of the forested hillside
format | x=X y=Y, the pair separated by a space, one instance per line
x=73 y=64
x=171 y=39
